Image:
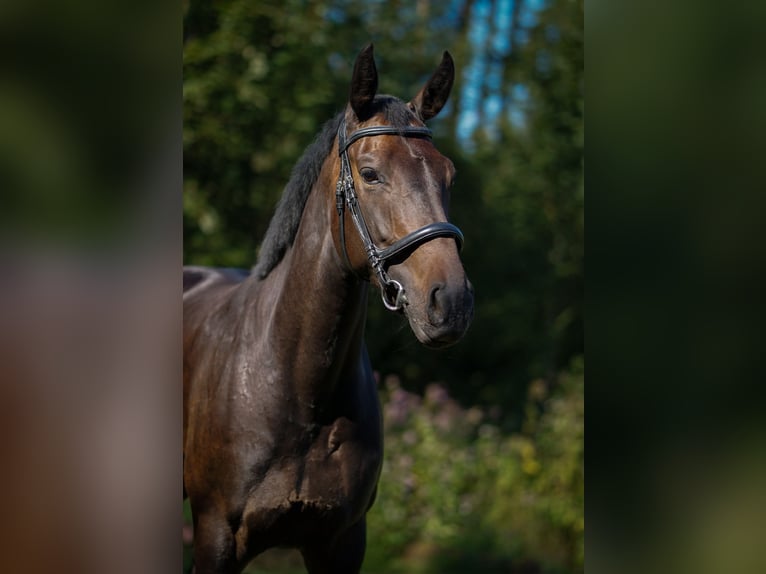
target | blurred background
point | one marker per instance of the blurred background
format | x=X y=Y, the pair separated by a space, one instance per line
x=483 y=466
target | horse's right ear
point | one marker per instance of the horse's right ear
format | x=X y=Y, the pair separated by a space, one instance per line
x=364 y=84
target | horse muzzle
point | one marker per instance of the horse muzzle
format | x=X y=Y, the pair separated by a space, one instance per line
x=446 y=315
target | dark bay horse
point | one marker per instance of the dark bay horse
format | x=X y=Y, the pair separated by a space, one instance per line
x=282 y=427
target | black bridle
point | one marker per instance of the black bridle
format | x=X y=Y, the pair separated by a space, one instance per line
x=391 y=290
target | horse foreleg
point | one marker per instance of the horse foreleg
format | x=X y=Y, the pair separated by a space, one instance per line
x=343 y=556
x=214 y=546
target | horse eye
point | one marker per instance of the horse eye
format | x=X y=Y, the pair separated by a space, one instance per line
x=369 y=175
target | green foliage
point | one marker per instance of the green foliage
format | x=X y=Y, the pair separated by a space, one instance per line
x=457 y=494
x=252 y=96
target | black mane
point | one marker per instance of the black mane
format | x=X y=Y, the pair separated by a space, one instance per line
x=287 y=217
x=284 y=224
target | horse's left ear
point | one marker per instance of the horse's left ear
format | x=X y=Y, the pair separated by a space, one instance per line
x=431 y=99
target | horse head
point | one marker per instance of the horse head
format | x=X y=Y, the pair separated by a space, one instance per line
x=393 y=188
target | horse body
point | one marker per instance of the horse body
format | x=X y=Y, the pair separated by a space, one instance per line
x=296 y=426
x=282 y=426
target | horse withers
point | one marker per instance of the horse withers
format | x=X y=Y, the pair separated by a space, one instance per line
x=282 y=425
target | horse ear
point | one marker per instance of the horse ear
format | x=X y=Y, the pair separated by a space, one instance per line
x=432 y=97
x=364 y=83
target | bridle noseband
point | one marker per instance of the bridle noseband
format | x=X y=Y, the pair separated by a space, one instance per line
x=391 y=290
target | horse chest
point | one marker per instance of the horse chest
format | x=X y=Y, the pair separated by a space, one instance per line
x=329 y=485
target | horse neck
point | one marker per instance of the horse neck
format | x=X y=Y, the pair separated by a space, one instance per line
x=318 y=309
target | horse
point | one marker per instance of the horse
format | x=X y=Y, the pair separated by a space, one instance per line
x=282 y=437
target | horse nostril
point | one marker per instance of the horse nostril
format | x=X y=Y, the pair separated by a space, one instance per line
x=436 y=310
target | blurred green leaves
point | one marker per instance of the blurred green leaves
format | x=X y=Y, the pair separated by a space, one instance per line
x=457 y=494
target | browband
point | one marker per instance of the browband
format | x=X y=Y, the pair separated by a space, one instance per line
x=412 y=131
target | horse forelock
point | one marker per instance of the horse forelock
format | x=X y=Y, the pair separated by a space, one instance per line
x=394 y=110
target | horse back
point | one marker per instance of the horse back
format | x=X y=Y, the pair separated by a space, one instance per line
x=197 y=278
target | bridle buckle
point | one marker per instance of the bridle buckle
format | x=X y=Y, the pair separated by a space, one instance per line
x=393 y=295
